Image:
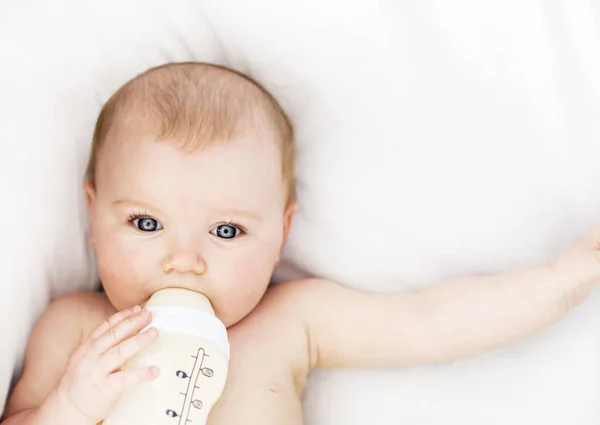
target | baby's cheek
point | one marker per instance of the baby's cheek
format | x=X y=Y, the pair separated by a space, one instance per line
x=252 y=272
x=121 y=273
x=245 y=284
x=116 y=261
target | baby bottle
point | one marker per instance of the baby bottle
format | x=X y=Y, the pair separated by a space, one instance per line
x=192 y=354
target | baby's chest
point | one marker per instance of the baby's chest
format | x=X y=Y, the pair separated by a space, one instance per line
x=260 y=388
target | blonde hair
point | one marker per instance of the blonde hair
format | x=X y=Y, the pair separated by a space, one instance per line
x=196 y=105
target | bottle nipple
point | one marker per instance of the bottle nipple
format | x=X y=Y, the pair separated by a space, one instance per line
x=181 y=298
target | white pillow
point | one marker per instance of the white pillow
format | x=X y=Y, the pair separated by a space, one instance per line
x=436 y=139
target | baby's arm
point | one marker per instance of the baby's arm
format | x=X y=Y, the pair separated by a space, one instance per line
x=56 y=334
x=453 y=319
x=71 y=378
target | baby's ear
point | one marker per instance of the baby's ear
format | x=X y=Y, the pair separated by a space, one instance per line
x=287 y=222
x=90 y=197
x=90 y=194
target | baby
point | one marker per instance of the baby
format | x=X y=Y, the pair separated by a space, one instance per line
x=190 y=184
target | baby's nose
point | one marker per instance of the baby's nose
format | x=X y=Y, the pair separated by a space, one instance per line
x=184 y=262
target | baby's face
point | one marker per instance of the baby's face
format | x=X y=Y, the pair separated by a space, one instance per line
x=213 y=221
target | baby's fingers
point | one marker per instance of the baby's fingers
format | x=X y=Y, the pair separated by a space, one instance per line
x=114 y=320
x=126 y=379
x=121 y=331
x=114 y=358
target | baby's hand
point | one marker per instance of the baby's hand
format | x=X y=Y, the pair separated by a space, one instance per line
x=93 y=380
x=579 y=265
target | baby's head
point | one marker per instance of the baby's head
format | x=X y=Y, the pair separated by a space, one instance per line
x=191 y=184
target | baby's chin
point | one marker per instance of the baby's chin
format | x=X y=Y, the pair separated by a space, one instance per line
x=234 y=310
x=231 y=315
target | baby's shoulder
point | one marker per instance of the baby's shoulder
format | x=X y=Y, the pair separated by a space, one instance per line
x=81 y=310
x=81 y=301
x=60 y=329
x=275 y=335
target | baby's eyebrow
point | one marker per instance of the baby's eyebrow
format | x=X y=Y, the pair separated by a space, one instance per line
x=239 y=212
x=137 y=203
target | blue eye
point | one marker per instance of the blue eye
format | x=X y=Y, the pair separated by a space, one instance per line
x=146 y=224
x=226 y=231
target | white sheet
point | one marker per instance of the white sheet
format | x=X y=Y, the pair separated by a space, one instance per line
x=436 y=139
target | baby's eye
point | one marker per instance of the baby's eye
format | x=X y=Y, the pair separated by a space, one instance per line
x=146 y=224
x=226 y=231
